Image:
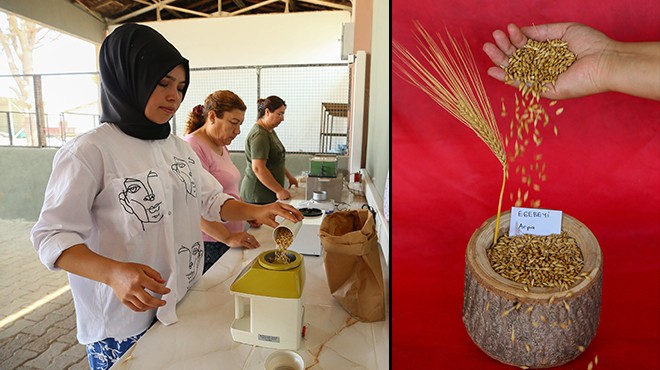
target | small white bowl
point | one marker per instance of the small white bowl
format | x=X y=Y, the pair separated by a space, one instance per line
x=284 y=360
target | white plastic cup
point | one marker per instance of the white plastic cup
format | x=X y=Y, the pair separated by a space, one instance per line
x=294 y=227
x=284 y=360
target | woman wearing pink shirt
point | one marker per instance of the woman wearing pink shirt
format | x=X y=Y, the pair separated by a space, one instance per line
x=209 y=129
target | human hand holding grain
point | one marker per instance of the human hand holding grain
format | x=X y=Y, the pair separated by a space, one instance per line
x=602 y=64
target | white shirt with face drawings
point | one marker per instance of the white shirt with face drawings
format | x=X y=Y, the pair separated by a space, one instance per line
x=130 y=200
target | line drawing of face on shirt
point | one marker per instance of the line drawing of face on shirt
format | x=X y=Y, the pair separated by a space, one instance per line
x=195 y=255
x=181 y=168
x=138 y=198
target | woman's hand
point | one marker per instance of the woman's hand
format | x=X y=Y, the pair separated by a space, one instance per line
x=242 y=240
x=235 y=210
x=293 y=181
x=587 y=74
x=254 y=224
x=283 y=194
x=268 y=212
x=131 y=283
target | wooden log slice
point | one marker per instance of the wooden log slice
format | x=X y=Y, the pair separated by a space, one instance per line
x=539 y=328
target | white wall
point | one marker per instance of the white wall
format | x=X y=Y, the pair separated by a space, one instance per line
x=262 y=39
x=378 y=136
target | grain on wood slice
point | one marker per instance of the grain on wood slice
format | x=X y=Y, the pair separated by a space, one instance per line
x=540 y=334
x=537 y=261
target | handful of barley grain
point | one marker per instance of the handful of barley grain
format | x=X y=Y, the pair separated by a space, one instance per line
x=538 y=63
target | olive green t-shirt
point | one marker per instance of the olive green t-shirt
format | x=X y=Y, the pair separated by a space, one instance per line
x=261 y=144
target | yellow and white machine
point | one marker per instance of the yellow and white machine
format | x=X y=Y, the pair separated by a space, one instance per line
x=268 y=308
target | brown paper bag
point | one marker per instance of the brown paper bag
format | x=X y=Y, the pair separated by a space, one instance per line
x=352 y=263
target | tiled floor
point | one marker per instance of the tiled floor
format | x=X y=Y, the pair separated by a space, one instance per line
x=37 y=320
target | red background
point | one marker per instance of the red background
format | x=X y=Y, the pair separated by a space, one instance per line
x=603 y=168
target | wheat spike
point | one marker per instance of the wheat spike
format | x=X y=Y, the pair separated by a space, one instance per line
x=451 y=78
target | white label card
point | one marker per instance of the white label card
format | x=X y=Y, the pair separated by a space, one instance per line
x=534 y=221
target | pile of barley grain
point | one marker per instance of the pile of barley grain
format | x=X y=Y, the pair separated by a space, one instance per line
x=537 y=261
x=538 y=63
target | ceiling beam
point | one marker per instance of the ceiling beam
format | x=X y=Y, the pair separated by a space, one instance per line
x=255 y=6
x=90 y=11
x=157 y=5
x=182 y=10
x=328 y=4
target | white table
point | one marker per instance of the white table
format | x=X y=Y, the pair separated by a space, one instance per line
x=201 y=339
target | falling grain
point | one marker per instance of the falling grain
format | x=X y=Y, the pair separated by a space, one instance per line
x=534 y=67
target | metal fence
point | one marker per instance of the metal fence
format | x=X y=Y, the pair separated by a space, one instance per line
x=47 y=110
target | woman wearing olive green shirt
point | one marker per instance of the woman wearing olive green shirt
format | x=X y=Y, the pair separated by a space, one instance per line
x=265 y=173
